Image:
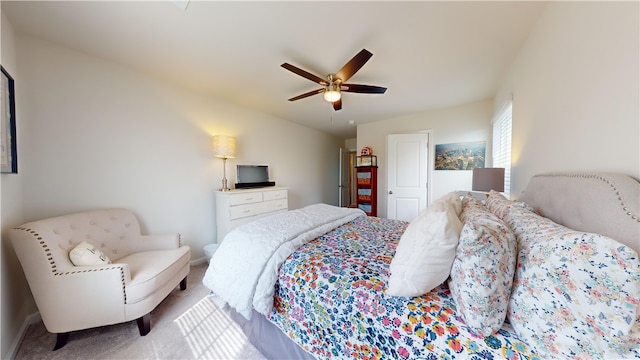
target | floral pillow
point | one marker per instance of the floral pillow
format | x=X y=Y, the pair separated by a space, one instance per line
x=498 y=204
x=482 y=271
x=575 y=294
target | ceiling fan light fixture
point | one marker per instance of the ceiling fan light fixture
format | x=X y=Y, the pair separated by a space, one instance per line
x=332 y=93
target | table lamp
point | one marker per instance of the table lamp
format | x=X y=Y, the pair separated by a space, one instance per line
x=224 y=147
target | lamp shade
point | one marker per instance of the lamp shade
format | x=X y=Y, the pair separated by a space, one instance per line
x=224 y=147
x=487 y=179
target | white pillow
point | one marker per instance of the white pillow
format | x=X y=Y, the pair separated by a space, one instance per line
x=86 y=254
x=426 y=250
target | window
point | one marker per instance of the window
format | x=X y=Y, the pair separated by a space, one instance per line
x=502 y=144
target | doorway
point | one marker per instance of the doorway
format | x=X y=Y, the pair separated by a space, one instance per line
x=407 y=175
x=347 y=184
x=353 y=192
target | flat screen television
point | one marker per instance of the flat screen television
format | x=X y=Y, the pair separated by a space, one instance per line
x=252 y=176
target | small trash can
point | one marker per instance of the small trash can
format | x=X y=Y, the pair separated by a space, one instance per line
x=209 y=250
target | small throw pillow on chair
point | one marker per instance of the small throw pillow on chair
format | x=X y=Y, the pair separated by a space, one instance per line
x=86 y=254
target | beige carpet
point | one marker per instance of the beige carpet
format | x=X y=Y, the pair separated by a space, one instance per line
x=186 y=325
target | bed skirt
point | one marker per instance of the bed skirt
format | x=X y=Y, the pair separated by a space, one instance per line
x=268 y=338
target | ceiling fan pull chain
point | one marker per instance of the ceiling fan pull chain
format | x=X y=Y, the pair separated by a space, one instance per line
x=331 y=114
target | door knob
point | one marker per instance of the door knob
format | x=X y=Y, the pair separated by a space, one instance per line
x=390 y=192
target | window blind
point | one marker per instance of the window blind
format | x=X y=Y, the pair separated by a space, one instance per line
x=502 y=144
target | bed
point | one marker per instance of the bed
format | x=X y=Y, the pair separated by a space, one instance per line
x=319 y=288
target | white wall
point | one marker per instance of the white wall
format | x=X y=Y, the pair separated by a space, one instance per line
x=16 y=302
x=94 y=134
x=576 y=98
x=470 y=122
x=98 y=134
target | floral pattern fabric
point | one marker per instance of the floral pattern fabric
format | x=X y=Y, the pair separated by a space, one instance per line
x=498 y=204
x=576 y=295
x=482 y=271
x=330 y=300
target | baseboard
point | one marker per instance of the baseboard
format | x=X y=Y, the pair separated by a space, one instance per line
x=30 y=319
x=198 y=261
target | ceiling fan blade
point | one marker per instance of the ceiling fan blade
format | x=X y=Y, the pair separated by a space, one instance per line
x=337 y=105
x=366 y=89
x=310 y=93
x=353 y=65
x=305 y=74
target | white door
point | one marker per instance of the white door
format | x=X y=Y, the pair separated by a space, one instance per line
x=407 y=188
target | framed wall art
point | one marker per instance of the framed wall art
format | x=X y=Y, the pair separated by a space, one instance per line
x=8 y=146
x=460 y=156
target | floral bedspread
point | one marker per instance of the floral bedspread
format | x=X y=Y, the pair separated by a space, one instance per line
x=330 y=300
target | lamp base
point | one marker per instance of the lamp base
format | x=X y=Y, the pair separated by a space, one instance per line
x=224 y=176
x=480 y=195
x=224 y=185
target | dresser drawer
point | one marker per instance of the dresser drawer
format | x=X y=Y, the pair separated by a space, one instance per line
x=237 y=207
x=274 y=205
x=248 y=198
x=245 y=210
x=276 y=194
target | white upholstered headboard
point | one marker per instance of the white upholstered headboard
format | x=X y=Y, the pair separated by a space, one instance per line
x=603 y=203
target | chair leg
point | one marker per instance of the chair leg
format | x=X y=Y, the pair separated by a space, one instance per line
x=144 y=324
x=183 y=284
x=61 y=340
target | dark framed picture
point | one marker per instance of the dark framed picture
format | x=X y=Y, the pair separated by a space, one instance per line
x=8 y=146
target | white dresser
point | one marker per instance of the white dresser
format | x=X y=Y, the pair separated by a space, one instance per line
x=237 y=207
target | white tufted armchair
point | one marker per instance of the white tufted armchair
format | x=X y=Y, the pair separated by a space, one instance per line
x=145 y=269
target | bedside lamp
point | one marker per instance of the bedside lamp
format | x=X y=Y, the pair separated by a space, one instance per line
x=487 y=179
x=224 y=147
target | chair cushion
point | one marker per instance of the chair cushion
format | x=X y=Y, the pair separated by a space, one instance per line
x=85 y=254
x=152 y=269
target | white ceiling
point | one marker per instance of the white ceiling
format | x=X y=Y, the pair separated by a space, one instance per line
x=428 y=54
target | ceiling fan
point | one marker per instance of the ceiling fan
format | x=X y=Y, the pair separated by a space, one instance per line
x=335 y=84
